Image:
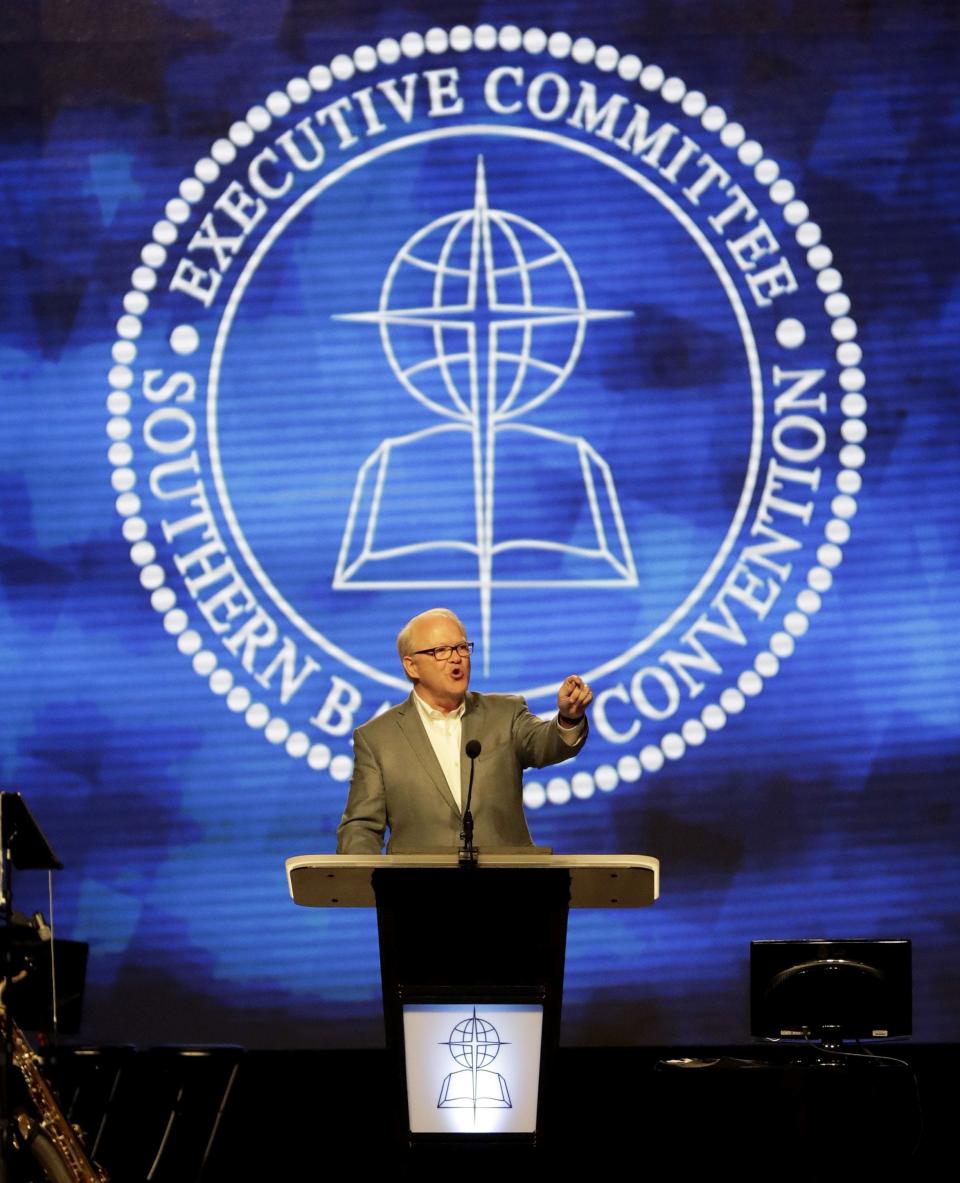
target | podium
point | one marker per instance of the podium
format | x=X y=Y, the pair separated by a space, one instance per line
x=471 y=961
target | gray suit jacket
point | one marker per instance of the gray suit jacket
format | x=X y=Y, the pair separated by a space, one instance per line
x=398 y=783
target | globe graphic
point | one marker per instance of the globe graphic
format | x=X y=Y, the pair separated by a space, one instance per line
x=482 y=307
x=474 y=1037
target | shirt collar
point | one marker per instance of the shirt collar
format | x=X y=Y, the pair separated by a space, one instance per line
x=430 y=712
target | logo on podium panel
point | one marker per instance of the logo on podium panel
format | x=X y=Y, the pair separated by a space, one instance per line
x=501 y=320
x=472 y=1068
x=474 y=1044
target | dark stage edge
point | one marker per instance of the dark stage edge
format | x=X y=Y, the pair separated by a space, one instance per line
x=298 y=1114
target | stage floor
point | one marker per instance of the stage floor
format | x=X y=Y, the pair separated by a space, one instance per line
x=223 y=1113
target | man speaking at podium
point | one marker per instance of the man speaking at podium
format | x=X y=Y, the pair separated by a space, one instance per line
x=411 y=770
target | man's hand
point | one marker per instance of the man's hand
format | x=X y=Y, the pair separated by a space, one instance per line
x=574 y=698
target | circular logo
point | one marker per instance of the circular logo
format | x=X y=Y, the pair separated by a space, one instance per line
x=501 y=320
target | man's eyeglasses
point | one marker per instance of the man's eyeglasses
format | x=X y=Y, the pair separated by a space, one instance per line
x=445 y=652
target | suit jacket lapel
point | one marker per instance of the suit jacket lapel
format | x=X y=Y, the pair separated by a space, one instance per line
x=408 y=719
x=472 y=728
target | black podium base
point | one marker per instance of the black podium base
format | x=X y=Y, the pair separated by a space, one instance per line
x=473 y=938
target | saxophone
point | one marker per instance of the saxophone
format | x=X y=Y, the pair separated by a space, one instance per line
x=64 y=1157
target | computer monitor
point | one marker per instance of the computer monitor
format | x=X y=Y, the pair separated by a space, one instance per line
x=830 y=990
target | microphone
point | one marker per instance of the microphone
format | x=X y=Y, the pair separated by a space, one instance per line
x=468 y=854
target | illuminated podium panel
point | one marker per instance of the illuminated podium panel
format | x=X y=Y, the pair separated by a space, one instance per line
x=471 y=961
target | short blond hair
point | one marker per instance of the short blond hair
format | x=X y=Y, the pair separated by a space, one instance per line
x=405 y=636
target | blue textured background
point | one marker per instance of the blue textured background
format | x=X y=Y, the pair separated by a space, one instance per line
x=829 y=808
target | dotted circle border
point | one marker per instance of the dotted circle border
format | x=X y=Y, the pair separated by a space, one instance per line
x=607 y=59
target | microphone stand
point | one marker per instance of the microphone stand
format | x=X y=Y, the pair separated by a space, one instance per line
x=467 y=855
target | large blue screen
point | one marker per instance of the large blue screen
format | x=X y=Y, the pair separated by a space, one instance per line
x=628 y=334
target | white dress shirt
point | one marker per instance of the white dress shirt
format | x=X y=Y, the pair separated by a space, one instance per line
x=444 y=732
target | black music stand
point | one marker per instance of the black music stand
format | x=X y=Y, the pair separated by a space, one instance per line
x=24 y=843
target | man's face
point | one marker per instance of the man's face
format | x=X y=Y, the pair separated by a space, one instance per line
x=441 y=684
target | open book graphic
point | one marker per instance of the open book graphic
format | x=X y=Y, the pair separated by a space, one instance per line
x=457 y=1091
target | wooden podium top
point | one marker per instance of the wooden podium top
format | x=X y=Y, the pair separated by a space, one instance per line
x=596 y=880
